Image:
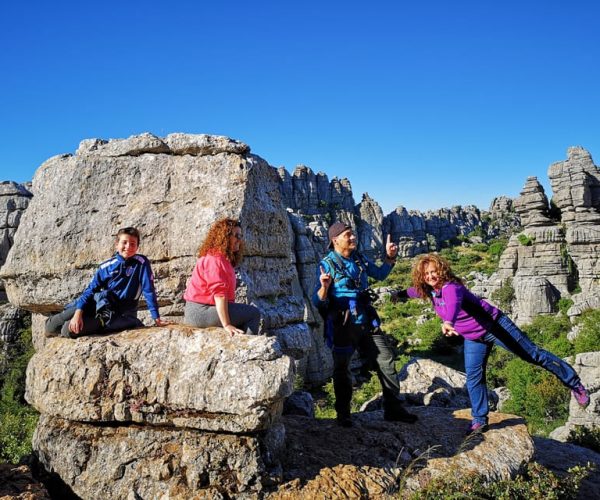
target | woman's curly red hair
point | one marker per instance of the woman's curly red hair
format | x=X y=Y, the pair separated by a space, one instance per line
x=418 y=273
x=217 y=240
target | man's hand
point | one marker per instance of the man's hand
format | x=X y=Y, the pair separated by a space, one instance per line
x=324 y=278
x=391 y=249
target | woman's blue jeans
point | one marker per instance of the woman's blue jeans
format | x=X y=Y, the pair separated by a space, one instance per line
x=508 y=336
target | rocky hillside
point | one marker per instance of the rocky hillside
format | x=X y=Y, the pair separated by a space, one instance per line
x=556 y=255
x=14 y=199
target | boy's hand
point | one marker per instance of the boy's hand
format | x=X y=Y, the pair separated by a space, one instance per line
x=76 y=323
x=161 y=322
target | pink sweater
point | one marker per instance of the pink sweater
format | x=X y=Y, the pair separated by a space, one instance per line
x=213 y=276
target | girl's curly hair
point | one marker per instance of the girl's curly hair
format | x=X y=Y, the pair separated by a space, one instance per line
x=418 y=273
x=217 y=240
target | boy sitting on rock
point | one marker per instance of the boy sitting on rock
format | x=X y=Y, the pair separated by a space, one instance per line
x=109 y=303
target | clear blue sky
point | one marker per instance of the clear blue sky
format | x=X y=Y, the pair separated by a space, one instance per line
x=423 y=104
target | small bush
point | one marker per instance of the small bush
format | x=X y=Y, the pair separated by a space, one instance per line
x=480 y=247
x=17 y=419
x=586 y=437
x=496 y=248
x=504 y=296
x=536 y=482
x=564 y=305
x=588 y=339
x=525 y=240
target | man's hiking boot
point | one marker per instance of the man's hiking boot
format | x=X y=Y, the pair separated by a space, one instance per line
x=399 y=414
x=581 y=395
x=344 y=421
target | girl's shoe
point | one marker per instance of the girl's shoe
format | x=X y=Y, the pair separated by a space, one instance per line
x=476 y=428
x=581 y=395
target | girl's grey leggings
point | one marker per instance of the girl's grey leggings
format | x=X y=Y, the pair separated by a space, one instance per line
x=242 y=316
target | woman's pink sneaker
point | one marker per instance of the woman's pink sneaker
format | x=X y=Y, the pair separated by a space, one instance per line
x=581 y=395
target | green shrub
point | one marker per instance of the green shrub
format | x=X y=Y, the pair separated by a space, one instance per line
x=586 y=437
x=504 y=296
x=496 y=247
x=536 y=482
x=525 y=240
x=480 y=247
x=588 y=339
x=17 y=419
x=564 y=305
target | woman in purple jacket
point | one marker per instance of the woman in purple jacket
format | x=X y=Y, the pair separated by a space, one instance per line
x=482 y=325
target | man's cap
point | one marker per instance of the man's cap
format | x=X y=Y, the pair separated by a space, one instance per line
x=335 y=230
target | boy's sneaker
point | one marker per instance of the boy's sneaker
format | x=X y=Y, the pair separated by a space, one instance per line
x=581 y=395
x=476 y=428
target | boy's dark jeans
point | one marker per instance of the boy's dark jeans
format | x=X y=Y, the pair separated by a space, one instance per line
x=119 y=322
x=374 y=349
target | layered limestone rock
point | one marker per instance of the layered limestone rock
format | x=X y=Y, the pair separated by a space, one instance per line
x=424 y=382
x=532 y=204
x=576 y=186
x=14 y=200
x=369 y=460
x=172 y=189
x=503 y=220
x=177 y=376
x=150 y=462
x=172 y=410
x=369 y=227
x=551 y=259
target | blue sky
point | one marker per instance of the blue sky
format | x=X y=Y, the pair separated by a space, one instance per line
x=423 y=104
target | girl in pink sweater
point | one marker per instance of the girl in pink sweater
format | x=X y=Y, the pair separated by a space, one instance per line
x=210 y=294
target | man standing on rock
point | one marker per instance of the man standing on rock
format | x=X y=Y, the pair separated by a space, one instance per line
x=351 y=322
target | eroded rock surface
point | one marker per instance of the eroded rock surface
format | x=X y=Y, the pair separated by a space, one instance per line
x=368 y=460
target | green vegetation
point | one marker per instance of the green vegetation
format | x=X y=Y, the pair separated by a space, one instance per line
x=504 y=296
x=536 y=482
x=588 y=339
x=17 y=419
x=586 y=437
x=525 y=240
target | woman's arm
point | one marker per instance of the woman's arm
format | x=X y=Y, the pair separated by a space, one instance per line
x=223 y=313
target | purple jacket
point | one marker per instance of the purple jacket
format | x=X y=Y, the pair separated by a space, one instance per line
x=451 y=304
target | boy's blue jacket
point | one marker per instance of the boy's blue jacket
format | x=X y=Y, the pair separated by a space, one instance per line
x=127 y=279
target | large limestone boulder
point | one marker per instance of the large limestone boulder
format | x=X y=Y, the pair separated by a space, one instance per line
x=576 y=186
x=560 y=457
x=178 y=376
x=370 y=460
x=115 y=463
x=426 y=382
x=172 y=189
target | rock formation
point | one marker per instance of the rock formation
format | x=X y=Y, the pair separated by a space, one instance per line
x=146 y=402
x=14 y=199
x=556 y=254
x=369 y=460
